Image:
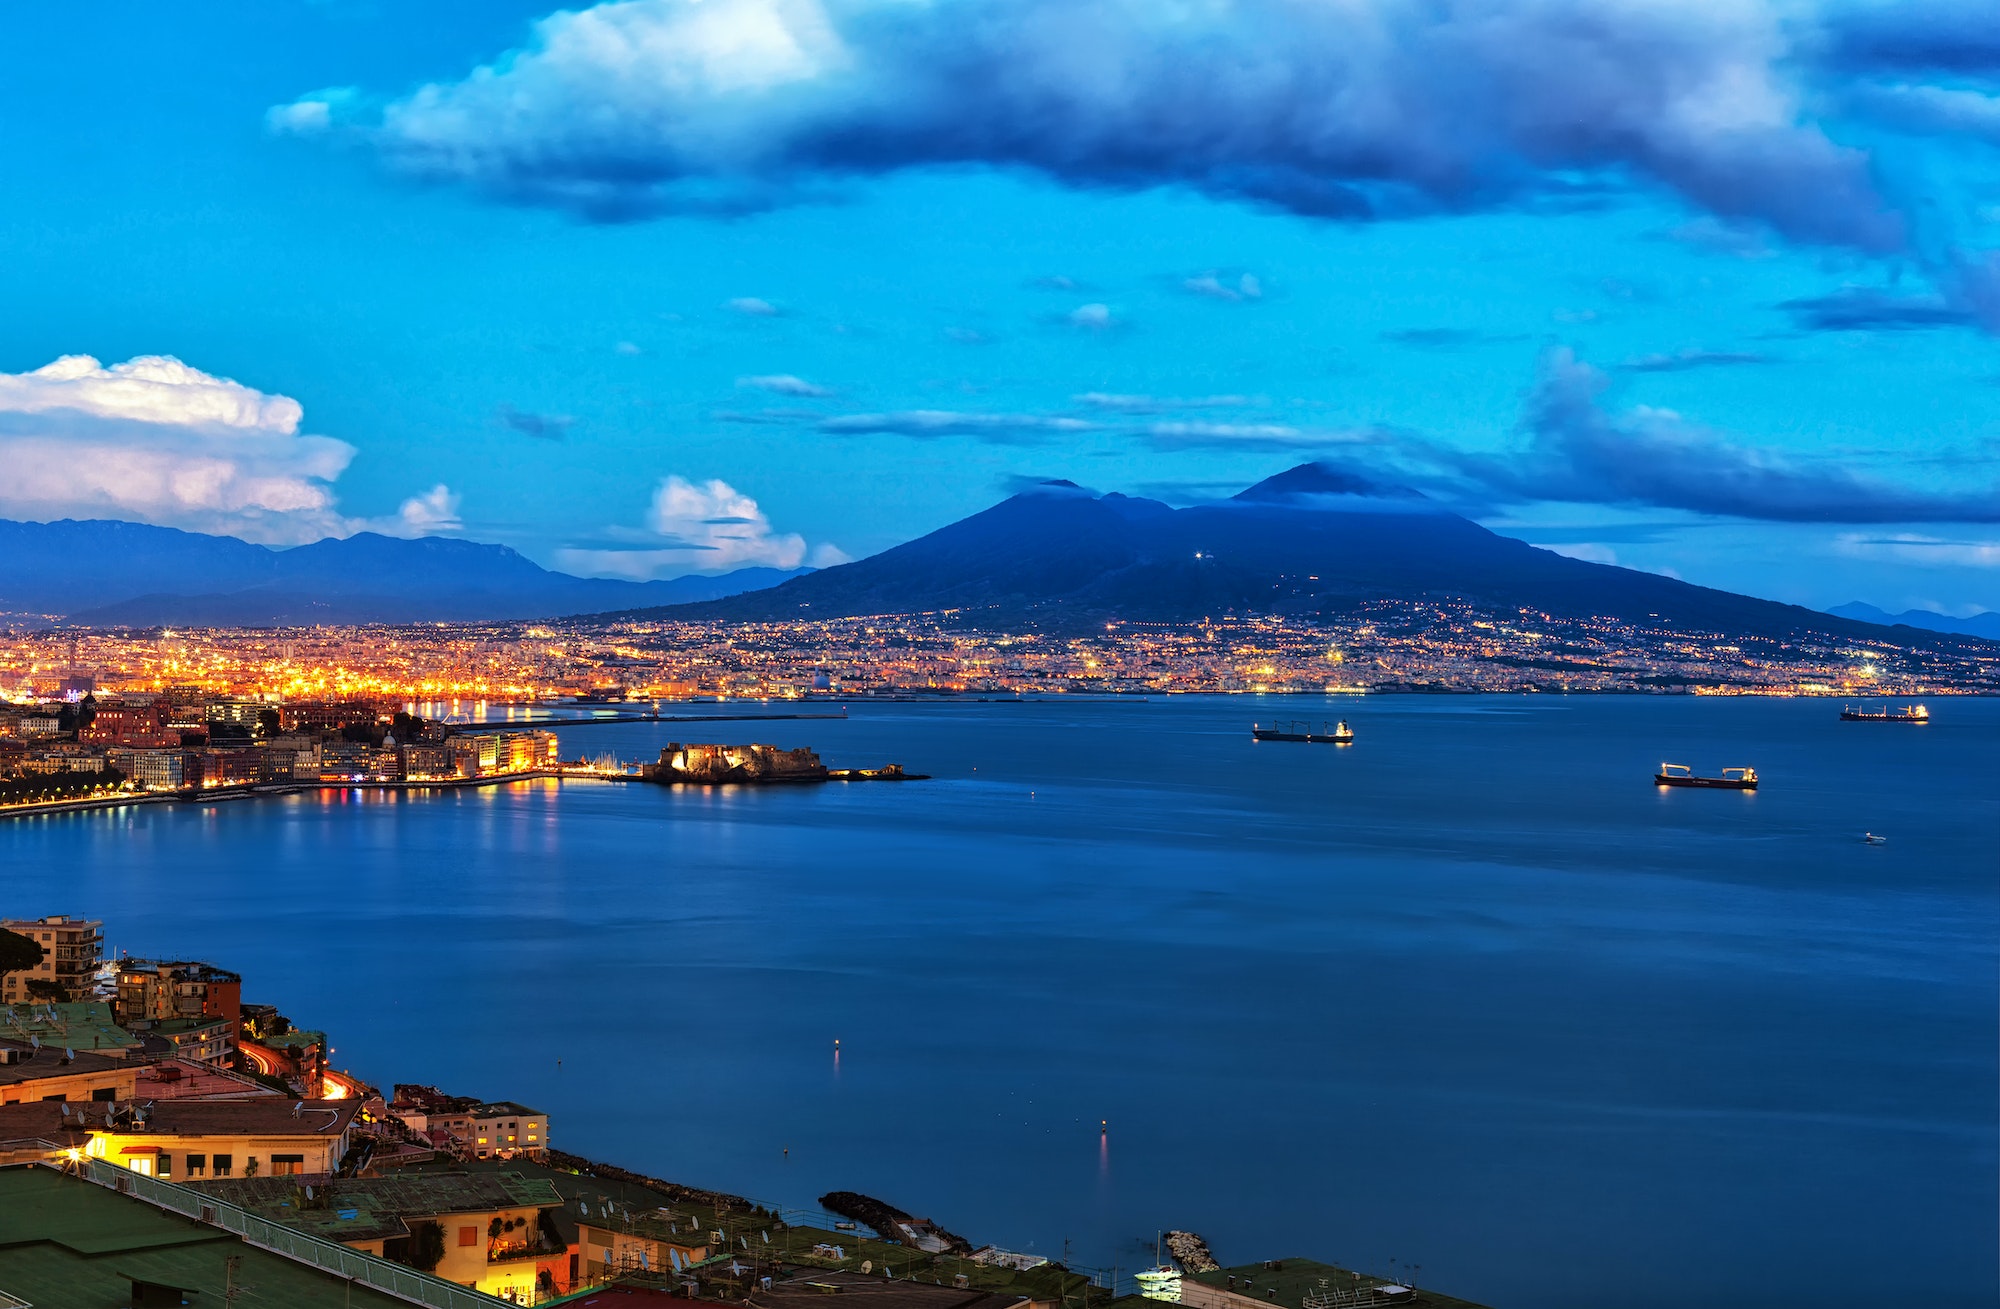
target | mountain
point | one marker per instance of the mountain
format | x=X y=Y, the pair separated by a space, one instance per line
x=1313 y=539
x=1986 y=625
x=113 y=574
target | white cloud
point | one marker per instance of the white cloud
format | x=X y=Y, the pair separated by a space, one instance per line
x=752 y=306
x=704 y=527
x=828 y=555
x=1096 y=317
x=311 y=114
x=436 y=510
x=785 y=384
x=1246 y=287
x=153 y=440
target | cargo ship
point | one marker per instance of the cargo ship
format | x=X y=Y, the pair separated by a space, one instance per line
x=1341 y=734
x=1732 y=779
x=1909 y=713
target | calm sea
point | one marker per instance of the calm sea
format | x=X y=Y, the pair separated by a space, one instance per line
x=1470 y=995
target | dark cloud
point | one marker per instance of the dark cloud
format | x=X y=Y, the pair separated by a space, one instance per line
x=1579 y=452
x=1366 y=110
x=1937 y=36
x=1863 y=309
x=1681 y=361
x=548 y=427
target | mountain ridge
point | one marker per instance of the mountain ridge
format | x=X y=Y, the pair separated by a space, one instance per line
x=1313 y=539
x=104 y=572
x=1985 y=626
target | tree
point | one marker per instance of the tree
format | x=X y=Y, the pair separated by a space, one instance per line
x=268 y=723
x=42 y=988
x=426 y=1246
x=18 y=953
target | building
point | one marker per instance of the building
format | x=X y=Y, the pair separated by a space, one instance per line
x=160 y=770
x=210 y=1041
x=195 y=1139
x=617 y=1241
x=74 y=1237
x=502 y=1233
x=28 y=1072
x=80 y=1025
x=153 y=990
x=71 y=951
x=504 y=1129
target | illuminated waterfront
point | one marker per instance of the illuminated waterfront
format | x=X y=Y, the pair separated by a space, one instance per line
x=1469 y=983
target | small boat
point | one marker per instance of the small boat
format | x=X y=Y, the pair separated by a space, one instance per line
x=1909 y=713
x=1341 y=733
x=1732 y=779
x=1871 y=838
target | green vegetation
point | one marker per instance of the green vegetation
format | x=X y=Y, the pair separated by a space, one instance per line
x=18 y=953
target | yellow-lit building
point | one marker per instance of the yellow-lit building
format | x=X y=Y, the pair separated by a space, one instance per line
x=188 y=1140
x=71 y=951
x=52 y=1074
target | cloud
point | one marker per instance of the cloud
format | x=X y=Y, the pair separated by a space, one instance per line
x=1092 y=317
x=314 y=113
x=1153 y=404
x=693 y=527
x=1362 y=109
x=1681 y=361
x=1580 y=452
x=1864 y=309
x=1245 y=287
x=784 y=384
x=435 y=511
x=927 y=424
x=751 y=306
x=1926 y=551
x=1247 y=436
x=828 y=555
x=548 y=427
x=628 y=348
x=153 y=440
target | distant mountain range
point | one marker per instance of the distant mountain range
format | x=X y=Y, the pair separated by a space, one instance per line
x=112 y=574
x=1310 y=540
x=1986 y=625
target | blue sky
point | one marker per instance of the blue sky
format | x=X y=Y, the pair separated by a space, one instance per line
x=1704 y=288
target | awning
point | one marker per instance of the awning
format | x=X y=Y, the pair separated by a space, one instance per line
x=139 y=1149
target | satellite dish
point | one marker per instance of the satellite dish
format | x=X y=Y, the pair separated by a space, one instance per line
x=867 y=1266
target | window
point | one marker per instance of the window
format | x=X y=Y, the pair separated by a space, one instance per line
x=223 y=1163
x=468 y=1236
x=197 y=1165
x=166 y=1166
x=287 y=1165
x=105 y=1093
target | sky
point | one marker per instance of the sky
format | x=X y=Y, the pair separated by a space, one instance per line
x=1704 y=287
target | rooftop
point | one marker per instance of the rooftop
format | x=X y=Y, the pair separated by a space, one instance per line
x=38 y=1065
x=1285 y=1283
x=66 y=1241
x=247 y=1117
x=361 y=1209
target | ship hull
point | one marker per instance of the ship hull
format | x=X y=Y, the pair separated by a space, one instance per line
x=1705 y=783
x=1307 y=737
x=1881 y=718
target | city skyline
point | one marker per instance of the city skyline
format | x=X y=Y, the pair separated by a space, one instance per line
x=1737 y=330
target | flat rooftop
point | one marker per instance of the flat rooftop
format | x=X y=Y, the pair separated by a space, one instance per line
x=65 y=1241
x=1284 y=1282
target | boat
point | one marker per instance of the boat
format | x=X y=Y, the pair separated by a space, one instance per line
x=1341 y=733
x=1732 y=779
x=1909 y=713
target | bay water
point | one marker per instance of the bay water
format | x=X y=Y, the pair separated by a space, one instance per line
x=1471 y=995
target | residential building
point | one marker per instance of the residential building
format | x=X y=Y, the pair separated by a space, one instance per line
x=186 y=1139
x=71 y=951
x=202 y=1040
x=502 y=1232
x=28 y=1072
x=504 y=1129
x=80 y=1025
x=68 y=1237
x=157 y=989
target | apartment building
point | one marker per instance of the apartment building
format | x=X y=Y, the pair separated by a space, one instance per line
x=71 y=950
